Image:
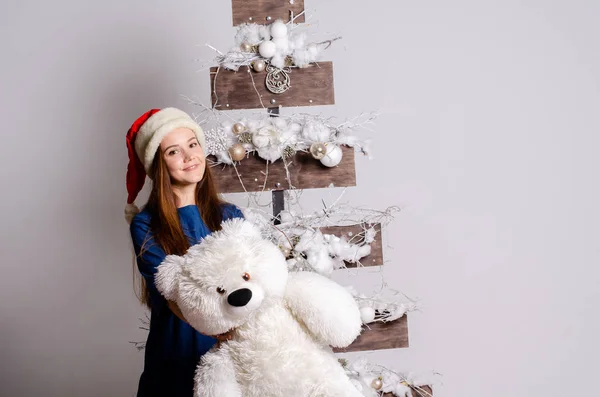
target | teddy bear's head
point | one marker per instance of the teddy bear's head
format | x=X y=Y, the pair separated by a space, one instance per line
x=226 y=278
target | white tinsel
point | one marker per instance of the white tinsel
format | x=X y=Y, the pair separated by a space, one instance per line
x=379 y=308
x=313 y=250
x=272 y=136
x=252 y=34
x=362 y=373
x=292 y=46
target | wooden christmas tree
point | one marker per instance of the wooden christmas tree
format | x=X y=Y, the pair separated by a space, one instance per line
x=258 y=85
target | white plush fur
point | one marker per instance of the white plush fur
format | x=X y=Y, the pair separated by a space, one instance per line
x=281 y=337
x=157 y=127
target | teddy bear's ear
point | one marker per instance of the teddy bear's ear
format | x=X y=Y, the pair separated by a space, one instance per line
x=241 y=227
x=168 y=275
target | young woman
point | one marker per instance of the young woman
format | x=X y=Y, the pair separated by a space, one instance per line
x=168 y=146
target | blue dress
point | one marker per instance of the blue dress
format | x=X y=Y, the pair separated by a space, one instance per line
x=173 y=348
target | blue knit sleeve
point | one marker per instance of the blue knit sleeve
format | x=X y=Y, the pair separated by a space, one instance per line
x=231 y=211
x=148 y=252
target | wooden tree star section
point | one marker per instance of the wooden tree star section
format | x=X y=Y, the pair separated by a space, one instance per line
x=378 y=336
x=420 y=391
x=309 y=86
x=354 y=234
x=305 y=173
x=266 y=11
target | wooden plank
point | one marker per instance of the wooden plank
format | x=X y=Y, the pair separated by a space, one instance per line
x=421 y=391
x=379 y=336
x=310 y=86
x=305 y=173
x=259 y=11
x=376 y=256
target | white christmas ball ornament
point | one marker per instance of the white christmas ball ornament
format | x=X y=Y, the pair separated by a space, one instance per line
x=367 y=314
x=267 y=49
x=278 y=29
x=333 y=156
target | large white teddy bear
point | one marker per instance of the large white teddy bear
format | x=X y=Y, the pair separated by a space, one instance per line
x=282 y=324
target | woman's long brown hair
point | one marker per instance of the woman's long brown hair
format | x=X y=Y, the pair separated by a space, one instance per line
x=165 y=225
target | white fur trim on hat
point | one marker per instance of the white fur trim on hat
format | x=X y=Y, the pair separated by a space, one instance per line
x=157 y=127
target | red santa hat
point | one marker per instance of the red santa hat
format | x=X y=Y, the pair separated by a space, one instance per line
x=143 y=140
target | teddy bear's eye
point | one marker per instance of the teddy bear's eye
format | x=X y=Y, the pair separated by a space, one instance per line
x=246 y=277
x=220 y=290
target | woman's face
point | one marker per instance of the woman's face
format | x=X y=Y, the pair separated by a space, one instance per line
x=183 y=156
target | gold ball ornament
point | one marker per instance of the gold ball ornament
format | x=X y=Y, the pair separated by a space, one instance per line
x=238 y=128
x=237 y=152
x=259 y=65
x=286 y=252
x=377 y=384
x=246 y=47
x=318 y=150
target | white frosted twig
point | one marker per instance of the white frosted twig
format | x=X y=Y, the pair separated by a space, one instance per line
x=239 y=177
x=215 y=86
x=266 y=174
x=214 y=49
x=255 y=89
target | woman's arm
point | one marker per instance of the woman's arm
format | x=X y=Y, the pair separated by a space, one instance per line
x=177 y=311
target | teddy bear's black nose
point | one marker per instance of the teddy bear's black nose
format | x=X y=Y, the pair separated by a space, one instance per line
x=239 y=298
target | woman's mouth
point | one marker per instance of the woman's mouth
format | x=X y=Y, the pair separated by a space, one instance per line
x=191 y=167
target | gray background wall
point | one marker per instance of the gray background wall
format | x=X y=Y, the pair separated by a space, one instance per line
x=488 y=140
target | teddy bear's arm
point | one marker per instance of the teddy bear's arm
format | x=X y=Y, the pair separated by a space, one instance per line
x=215 y=376
x=326 y=308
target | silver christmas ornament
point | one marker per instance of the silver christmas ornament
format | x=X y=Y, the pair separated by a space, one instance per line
x=277 y=80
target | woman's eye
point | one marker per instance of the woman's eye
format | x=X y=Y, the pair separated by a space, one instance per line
x=172 y=152
x=220 y=290
x=194 y=144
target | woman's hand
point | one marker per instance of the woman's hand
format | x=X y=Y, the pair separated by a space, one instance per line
x=175 y=309
x=220 y=338
x=224 y=337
